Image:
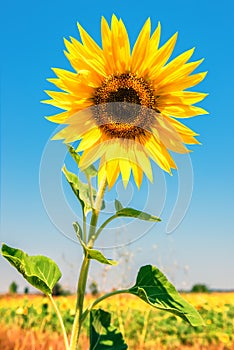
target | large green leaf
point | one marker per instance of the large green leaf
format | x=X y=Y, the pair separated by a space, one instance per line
x=154 y=288
x=80 y=189
x=103 y=336
x=92 y=253
x=90 y=171
x=40 y=271
x=133 y=213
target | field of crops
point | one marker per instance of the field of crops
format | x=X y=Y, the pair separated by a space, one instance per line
x=29 y=322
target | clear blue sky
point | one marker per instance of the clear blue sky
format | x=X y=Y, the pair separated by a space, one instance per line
x=200 y=249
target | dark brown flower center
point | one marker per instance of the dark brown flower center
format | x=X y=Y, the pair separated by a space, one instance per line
x=122 y=106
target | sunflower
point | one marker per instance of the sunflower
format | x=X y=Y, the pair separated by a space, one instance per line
x=122 y=104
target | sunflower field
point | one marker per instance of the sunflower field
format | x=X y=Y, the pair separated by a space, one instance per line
x=29 y=322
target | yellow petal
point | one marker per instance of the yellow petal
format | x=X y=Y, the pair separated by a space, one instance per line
x=64 y=105
x=60 y=118
x=112 y=172
x=107 y=47
x=85 y=57
x=91 y=155
x=184 y=83
x=89 y=139
x=140 y=49
x=180 y=74
x=179 y=97
x=157 y=151
x=190 y=140
x=89 y=42
x=162 y=56
x=101 y=171
x=136 y=169
x=65 y=74
x=169 y=136
x=172 y=66
x=124 y=48
x=154 y=40
x=182 y=111
x=137 y=174
x=71 y=133
x=125 y=169
x=61 y=97
x=143 y=161
x=179 y=127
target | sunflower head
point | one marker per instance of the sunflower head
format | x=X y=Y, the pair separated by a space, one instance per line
x=122 y=104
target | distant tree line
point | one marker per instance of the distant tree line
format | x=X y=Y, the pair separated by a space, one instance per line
x=200 y=288
x=59 y=290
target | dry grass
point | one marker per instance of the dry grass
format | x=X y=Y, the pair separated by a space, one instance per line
x=15 y=338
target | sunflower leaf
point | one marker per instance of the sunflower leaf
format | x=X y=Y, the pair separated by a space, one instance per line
x=97 y=255
x=90 y=171
x=133 y=213
x=41 y=272
x=80 y=189
x=90 y=252
x=103 y=336
x=153 y=287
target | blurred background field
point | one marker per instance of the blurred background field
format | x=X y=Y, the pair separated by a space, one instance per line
x=29 y=322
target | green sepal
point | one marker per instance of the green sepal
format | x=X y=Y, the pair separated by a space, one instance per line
x=41 y=272
x=80 y=189
x=103 y=336
x=90 y=171
x=153 y=287
x=90 y=252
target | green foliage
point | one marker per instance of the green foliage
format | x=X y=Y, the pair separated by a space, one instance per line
x=92 y=253
x=90 y=171
x=26 y=290
x=13 y=288
x=133 y=213
x=80 y=189
x=200 y=288
x=40 y=271
x=118 y=205
x=97 y=255
x=103 y=336
x=58 y=290
x=94 y=288
x=154 y=288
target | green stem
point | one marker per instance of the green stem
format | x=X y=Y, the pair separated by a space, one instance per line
x=92 y=229
x=90 y=190
x=85 y=268
x=104 y=225
x=96 y=211
x=79 y=303
x=103 y=297
x=84 y=228
x=60 y=321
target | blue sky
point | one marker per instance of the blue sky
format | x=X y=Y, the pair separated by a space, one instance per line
x=200 y=249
